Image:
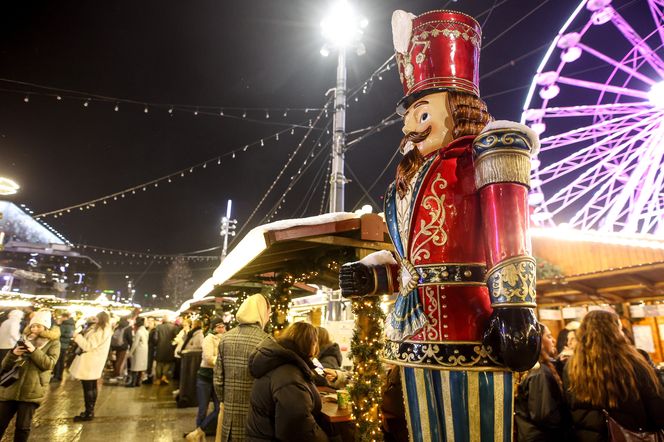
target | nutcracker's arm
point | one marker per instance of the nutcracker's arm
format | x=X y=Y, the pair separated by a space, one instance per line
x=377 y=273
x=502 y=154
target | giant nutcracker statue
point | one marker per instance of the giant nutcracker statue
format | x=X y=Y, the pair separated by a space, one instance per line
x=457 y=214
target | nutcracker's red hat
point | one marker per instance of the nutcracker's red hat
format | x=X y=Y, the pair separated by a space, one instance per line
x=436 y=51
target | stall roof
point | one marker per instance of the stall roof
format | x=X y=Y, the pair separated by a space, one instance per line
x=275 y=247
x=624 y=284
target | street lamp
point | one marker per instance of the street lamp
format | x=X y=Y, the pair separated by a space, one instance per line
x=8 y=187
x=228 y=226
x=343 y=29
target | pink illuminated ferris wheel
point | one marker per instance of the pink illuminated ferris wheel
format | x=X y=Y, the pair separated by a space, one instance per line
x=597 y=102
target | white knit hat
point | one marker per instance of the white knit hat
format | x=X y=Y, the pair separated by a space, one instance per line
x=42 y=317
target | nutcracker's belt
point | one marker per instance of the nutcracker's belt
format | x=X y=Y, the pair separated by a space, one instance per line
x=466 y=274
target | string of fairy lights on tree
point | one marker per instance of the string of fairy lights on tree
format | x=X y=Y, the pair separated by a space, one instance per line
x=366 y=388
x=280 y=299
x=167 y=179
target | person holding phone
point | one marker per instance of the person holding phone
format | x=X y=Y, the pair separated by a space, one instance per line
x=36 y=354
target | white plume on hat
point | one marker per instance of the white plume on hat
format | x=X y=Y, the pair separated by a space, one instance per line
x=42 y=317
x=402 y=30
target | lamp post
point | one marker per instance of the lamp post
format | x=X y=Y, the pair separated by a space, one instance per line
x=8 y=186
x=228 y=226
x=343 y=29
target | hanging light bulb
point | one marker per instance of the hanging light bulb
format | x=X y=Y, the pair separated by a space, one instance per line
x=26 y=99
x=285 y=113
x=86 y=103
x=58 y=98
x=221 y=113
x=267 y=115
x=145 y=110
x=244 y=114
x=116 y=108
x=170 y=111
x=262 y=143
x=218 y=160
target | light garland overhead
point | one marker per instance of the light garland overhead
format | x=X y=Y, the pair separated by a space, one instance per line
x=142 y=255
x=255 y=114
x=104 y=200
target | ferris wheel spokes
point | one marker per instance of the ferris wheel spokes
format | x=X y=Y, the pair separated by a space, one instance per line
x=596 y=174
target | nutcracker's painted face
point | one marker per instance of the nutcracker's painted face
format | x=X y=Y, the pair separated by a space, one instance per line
x=431 y=111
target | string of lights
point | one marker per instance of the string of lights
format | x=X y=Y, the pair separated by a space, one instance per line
x=283 y=169
x=103 y=200
x=323 y=200
x=316 y=183
x=141 y=254
x=282 y=199
x=303 y=167
x=87 y=98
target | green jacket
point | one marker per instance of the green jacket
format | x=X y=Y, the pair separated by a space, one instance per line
x=35 y=374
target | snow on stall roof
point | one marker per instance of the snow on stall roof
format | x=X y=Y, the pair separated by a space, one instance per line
x=254 y=243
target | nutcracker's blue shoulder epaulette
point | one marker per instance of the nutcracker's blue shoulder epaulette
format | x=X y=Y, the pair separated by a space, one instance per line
x=502 y=153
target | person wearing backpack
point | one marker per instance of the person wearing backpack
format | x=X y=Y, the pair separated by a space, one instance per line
x=120 y=346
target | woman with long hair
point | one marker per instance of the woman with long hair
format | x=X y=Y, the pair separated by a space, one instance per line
x=541 y=413
x=607 y=373
x=88 y=366
x=285 y=405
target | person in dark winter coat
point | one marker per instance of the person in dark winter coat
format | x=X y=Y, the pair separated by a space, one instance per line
x=285 y=405
x=165 y=350
x=607 y=373
x=540 y=409
x=395 y=428
x=67 y=329
x=329 y=354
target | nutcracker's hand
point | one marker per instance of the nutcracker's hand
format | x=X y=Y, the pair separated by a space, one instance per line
x=513 y=334
x=356 y=279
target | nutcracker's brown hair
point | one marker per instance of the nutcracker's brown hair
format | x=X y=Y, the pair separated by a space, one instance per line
x=604 y=367
x=469 y=114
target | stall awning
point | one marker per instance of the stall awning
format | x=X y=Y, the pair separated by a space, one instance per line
x=644 y=281
x=283 y=245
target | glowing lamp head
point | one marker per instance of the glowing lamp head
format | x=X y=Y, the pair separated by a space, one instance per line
x=343 y=26
x=8 y=187
x=656 y=95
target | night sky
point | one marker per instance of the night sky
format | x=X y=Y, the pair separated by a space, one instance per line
x=210 y=55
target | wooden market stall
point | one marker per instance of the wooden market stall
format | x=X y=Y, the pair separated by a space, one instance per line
x=602 y=270
x=303 y=251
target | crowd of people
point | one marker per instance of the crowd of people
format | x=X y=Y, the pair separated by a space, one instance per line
x=602 y=384
x=249 y=386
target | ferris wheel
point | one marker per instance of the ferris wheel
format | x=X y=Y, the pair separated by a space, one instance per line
x=597 y=101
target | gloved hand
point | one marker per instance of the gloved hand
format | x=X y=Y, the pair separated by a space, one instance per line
x=356 y=279
x=513 y=334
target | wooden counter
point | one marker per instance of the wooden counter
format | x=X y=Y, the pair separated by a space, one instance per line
x=332 y=413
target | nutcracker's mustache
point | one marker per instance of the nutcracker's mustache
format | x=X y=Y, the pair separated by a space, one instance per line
x=411 y=161
x=413 y=137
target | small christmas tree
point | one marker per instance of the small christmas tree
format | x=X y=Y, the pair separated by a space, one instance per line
x=178 y=283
